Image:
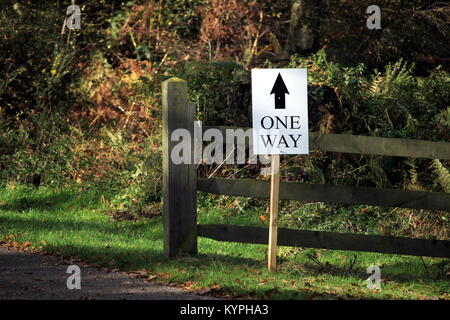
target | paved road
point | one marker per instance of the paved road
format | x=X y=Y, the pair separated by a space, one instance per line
x=26 y=275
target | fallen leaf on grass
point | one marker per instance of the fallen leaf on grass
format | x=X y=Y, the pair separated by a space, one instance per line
x=142 y=272
x=214 y=289
x=139 y=273
x=363 y=210
x=163 y=275
x=188 y=285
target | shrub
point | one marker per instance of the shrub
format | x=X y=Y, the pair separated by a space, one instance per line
x=220 y=91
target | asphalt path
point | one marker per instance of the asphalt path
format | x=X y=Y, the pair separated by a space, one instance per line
x=33 y=276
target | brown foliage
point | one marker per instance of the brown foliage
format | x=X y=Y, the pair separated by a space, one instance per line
x=234 y=29
x=114 y=98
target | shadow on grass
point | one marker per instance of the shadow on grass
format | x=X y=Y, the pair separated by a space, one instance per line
x=239 y=269
x=127 y=256
x=390 y=272
x=155 y=263
x=51 y=202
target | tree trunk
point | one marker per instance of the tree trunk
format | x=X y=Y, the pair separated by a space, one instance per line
x=303 y=26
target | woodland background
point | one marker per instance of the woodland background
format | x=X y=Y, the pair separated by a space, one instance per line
x=82 y=107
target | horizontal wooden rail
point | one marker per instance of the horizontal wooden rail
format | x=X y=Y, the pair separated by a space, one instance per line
x=328 y=240
x=328 y=193
x=368 y=145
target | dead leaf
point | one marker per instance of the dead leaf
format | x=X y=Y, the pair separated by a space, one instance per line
x=188 y=285
x=163 y=275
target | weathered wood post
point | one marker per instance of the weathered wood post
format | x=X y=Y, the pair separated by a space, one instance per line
x=179 y=180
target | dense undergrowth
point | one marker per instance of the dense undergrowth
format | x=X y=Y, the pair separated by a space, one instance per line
x=83 y=108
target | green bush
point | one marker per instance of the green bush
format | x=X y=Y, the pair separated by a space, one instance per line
x=220 y=91
x=390 y=103
x=393 y=102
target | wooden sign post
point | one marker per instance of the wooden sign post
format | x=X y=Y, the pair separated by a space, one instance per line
x=280 y=126
x=274 y=196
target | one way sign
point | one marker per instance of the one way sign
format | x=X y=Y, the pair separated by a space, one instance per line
x=280 y=111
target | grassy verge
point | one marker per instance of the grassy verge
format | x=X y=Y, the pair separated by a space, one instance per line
x=71 y=223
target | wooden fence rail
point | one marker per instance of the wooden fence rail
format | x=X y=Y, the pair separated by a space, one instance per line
x=327 y=240
x=328 y=193
x=346 y=143
x=180 y=184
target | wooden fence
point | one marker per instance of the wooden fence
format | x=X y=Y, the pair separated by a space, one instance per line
x=180 y=184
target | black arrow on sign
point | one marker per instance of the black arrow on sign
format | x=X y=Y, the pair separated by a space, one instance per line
x=279 y=88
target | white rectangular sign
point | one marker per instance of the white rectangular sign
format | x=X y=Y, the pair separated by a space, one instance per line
x=280 y=111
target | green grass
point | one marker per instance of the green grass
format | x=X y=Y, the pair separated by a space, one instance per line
x=73 y=223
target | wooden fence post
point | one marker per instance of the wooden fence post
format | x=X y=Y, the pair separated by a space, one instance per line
x=179 y=180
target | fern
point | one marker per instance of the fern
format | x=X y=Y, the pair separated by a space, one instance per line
x=399 y=73
x=443 y=176
x=443 y=118
x=411 y=162
x=375 y=85
x=396 y=76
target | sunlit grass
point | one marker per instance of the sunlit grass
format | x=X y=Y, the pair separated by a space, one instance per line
x=72 y=223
